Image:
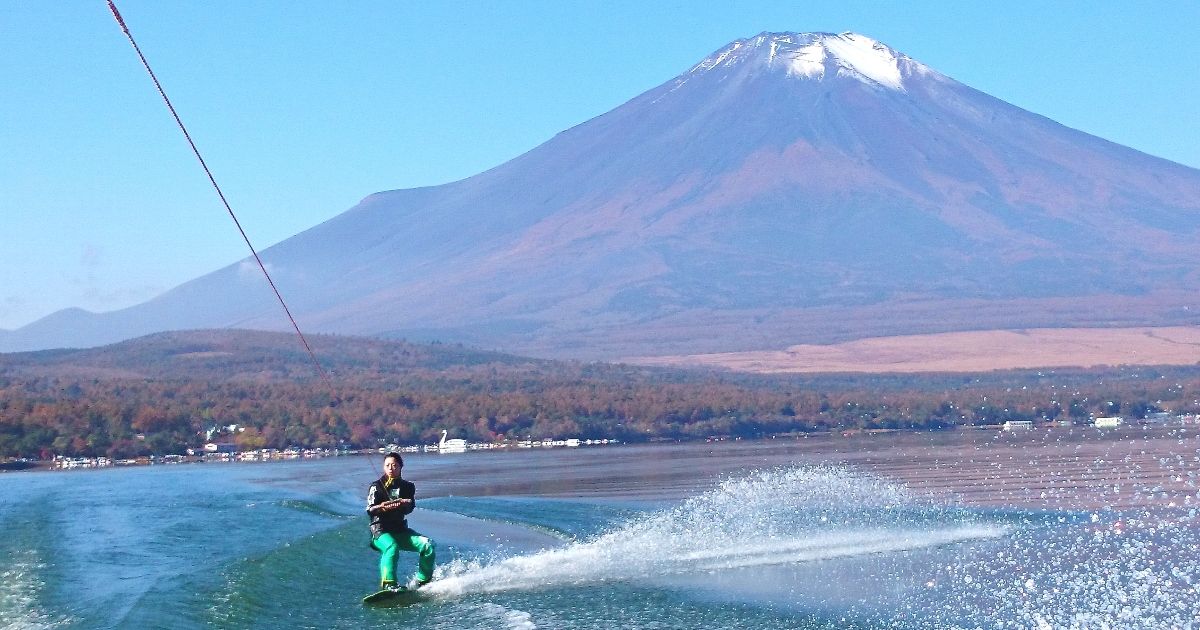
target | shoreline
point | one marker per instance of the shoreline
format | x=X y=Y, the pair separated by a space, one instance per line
x=265 y=455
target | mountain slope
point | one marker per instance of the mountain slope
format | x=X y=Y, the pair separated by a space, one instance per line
x=789 y=188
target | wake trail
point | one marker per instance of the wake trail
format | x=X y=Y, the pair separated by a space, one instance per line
x=771 y=517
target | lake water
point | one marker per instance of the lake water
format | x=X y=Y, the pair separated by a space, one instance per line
x=889 y=532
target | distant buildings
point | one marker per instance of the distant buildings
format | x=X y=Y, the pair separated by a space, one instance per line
x=1157 y=418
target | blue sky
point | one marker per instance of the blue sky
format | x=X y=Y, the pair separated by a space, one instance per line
x=302 y=108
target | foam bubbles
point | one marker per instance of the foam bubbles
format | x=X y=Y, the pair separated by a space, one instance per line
x=507 y=617
x=20 y=585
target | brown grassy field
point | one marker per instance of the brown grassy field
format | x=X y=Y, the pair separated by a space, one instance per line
x=977 y=351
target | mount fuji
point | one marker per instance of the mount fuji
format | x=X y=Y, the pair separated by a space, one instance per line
x=789 y=188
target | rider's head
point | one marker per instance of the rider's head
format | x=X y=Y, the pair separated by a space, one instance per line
x=392 y=463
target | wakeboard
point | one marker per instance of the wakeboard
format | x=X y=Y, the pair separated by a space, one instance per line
x=394 y=597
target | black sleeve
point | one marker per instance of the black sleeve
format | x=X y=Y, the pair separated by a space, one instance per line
x=410 y=492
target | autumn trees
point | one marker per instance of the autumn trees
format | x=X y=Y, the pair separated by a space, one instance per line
x=163 y=393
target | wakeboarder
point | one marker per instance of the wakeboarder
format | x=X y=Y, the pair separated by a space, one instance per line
x=390 y=500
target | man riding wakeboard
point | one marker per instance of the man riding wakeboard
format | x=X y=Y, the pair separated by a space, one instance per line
x=390 y=500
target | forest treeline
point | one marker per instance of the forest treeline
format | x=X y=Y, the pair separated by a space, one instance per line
x=161 y=394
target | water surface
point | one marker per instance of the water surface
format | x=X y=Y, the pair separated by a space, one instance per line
x=822 y=533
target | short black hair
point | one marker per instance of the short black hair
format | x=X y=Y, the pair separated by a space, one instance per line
x=399 y=460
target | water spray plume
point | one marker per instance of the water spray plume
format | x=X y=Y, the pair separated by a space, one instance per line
x=780 y=516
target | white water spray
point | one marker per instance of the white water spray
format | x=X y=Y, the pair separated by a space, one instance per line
x=769 y=517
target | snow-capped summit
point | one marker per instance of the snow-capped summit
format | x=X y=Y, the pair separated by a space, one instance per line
x=818 y=56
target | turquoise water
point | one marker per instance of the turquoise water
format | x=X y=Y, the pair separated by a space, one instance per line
x=638 y=537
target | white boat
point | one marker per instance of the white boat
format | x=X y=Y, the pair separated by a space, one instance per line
x=457 y=445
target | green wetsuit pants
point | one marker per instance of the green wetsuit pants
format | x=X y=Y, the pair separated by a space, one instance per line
x=390 y=545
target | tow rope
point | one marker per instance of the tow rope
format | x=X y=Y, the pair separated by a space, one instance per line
x=311 y=355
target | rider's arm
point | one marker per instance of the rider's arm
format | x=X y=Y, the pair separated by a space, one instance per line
x=409 y=503
x=376 y=504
